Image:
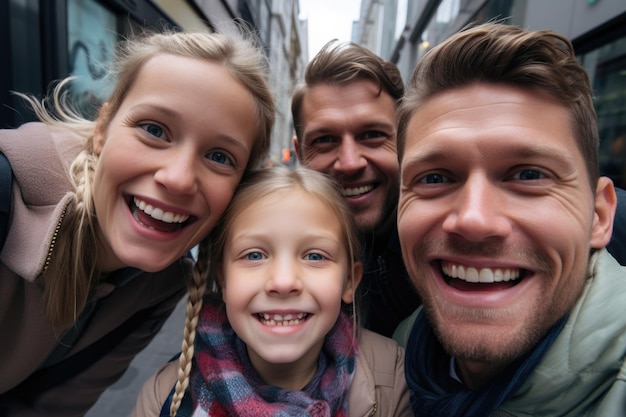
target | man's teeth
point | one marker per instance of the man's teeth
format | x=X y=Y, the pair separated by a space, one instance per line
x=349 y=192
x=485 y=275
x=282 y=319
x=159 y=214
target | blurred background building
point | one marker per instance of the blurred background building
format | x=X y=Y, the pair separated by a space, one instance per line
x=42 y=41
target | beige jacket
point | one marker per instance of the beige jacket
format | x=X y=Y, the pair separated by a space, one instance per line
x=378 y=388
x=41 y=191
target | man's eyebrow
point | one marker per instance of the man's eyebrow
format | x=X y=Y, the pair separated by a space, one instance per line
x=376 y=125
x=320 y=131
x=434 y=154
x=427 y=156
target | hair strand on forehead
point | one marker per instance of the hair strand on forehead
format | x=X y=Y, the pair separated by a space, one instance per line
x=342 y=63
x=497 y=53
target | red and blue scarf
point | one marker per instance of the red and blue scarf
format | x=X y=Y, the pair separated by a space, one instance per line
x=224 y=383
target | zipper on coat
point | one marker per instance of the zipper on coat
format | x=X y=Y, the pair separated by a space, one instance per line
x=54 y=240
x=373 y=410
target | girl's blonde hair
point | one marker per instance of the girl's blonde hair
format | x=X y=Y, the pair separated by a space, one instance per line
x=69 y=275
x=257 y=186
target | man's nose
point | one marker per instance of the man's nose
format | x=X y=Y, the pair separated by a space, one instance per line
x=477 y=211
x=350 y=158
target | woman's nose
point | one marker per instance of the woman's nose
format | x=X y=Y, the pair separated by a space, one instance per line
x=178 y=173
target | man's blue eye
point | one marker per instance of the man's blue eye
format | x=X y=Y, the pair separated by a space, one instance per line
x=372 y=134
x=530 y=174
x=254 y=256
x=434 y=179
x=220 y=158
x=323 y=139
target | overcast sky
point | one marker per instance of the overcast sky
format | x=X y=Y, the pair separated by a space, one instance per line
x=328 y=19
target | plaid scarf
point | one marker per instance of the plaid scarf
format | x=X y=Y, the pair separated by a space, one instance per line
x=224 y=383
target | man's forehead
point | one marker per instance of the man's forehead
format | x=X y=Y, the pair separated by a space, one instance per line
x=326 y=102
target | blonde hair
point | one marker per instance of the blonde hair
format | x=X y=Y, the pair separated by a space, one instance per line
x=259 y=185
x=69 y=275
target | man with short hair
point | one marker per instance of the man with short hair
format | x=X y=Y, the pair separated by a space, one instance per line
x=503 y=220
x=344 y=117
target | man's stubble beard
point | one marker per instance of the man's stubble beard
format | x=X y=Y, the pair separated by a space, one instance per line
x=385 y=221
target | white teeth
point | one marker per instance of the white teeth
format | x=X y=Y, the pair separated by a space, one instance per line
x=159 y=214
x=484 y=275
x=349 y=192
x=282 y=320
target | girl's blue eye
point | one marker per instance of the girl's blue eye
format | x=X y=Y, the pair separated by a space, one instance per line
x=314 y=257
x=153 y=129
x=254 y=256
x=220 y=158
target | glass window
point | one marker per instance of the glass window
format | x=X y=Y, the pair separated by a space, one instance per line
x=606 y=67
x=92 y=37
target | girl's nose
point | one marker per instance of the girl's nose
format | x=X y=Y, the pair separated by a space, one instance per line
x=283 y=280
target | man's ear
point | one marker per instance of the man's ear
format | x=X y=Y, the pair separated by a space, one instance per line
x=296 y=146
x=353 y=282
x=102 y=125
x=604 y=212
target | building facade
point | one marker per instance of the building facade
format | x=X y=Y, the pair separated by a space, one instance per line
x=597 y=28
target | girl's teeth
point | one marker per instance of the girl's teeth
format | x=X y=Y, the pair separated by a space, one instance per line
x=282 y=319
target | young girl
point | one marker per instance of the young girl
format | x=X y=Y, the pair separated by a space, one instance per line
x=105 y=211
x=272 y=337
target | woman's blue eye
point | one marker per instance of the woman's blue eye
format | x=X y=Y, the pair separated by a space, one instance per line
x=220 y=158
x=314 y=257
x=154 y=130
x=254 y=256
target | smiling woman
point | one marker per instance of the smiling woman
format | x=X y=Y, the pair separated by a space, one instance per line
x=107 y=240
x=164 y=147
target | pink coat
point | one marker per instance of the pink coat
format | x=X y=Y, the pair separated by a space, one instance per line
x=39 y=156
